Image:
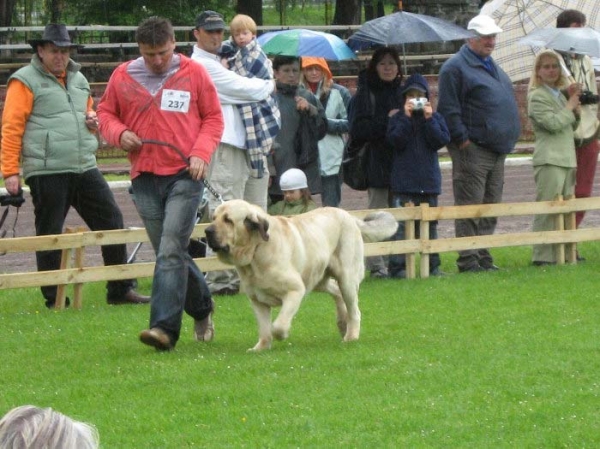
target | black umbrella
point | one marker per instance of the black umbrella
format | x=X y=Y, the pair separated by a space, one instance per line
x=402 y=28
x=407 y=28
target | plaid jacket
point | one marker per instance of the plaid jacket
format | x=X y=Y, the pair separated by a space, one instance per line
x=262 y=119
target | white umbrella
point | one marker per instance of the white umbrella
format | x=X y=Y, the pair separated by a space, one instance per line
x=582 y=41
x=519 y=18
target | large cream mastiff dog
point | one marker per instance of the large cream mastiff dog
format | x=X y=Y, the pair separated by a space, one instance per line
x=281 y=259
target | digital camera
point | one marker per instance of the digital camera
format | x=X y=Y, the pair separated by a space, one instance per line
x=587 y=97
x=418 y=103
x=12 y=200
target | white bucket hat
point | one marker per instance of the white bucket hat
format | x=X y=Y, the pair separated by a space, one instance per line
x=483 y=25
x=293 y=179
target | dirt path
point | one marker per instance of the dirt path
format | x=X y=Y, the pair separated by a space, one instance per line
x=519 y=187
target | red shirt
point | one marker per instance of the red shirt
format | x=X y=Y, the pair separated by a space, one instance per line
x=185 y=112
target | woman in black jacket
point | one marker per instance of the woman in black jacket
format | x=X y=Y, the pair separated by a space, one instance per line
x=379 y=95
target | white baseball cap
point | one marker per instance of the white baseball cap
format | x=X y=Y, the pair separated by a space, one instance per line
x=483 y=25
x=293 y=179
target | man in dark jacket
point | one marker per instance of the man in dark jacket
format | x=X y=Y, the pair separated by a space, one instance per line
x=477 y=100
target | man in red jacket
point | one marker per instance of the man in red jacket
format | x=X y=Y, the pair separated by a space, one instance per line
x=163 y=109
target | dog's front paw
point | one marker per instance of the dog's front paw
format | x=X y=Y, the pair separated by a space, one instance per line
x=260 y=346
x=280 y=333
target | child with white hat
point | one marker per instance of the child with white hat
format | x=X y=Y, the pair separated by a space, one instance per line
x=296 y=195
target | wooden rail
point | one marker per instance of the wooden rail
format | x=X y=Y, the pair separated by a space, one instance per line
x=565 y=235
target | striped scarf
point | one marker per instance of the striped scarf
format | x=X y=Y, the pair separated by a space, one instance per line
x=262 y=119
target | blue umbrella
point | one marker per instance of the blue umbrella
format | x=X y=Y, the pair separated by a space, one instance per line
x=302 y=42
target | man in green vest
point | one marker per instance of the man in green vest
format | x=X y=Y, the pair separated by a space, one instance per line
x=49 y=133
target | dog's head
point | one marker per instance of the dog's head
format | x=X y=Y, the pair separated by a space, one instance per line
x=235 y=231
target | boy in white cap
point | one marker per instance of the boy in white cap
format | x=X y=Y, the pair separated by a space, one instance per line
x=296 y=195
x=477 y=100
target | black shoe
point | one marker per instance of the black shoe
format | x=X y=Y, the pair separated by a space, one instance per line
x=436 y=272
x=51 y=303
x=131 y=297
x=471 y=269
x=397 y=274
x=580 y=258
x=226 y=291
x=488 y=265
x=379 y=274
x=542 y=263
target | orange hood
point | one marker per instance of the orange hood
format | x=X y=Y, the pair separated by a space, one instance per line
x=307 y=61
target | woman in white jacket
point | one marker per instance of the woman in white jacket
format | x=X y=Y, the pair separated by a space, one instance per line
x=317 y=78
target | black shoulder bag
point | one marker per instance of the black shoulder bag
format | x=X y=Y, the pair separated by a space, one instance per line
x=356 y=158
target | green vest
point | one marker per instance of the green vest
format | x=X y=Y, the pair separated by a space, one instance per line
x=56 y=139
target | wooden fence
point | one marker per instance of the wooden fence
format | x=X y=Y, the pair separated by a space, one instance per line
x=73 y=243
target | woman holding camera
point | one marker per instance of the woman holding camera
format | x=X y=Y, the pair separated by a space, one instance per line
x=379 y=93
x=554 y=119
x=416 y=134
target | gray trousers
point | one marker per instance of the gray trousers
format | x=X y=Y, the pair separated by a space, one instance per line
x=229 y=174
x=477 y=178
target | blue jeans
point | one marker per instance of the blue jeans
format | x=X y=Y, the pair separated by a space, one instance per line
x=398 y=261
x=168 y=206
x=90 y=195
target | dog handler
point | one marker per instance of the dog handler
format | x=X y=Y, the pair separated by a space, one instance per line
x=166 y=98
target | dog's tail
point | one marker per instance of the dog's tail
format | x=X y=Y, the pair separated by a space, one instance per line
x=377 y=226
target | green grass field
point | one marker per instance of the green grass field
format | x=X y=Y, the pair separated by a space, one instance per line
x=506 y=359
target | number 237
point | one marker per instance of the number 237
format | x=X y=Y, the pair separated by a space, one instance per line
x=175 y=104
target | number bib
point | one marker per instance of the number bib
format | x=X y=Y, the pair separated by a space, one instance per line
x=175 y=100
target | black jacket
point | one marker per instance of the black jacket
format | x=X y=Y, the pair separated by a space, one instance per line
x=368 y=120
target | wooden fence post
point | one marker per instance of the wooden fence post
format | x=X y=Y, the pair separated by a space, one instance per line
x=66 y=261
x=559 y=225
x=409 y=234
x=570 y=225
x=424 y=236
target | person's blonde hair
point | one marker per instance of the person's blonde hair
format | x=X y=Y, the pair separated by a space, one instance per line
x=326 y=83
x=29 y=426
x=242 y=22
x=534 y=81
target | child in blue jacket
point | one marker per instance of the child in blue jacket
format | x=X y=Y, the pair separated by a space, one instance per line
x=416 y=133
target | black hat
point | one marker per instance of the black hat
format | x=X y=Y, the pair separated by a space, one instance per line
x=210 y=20
x=55 y=33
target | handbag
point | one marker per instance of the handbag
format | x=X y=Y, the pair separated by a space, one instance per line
x=354 y=164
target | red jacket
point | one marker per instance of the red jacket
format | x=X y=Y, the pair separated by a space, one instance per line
x=127 y=105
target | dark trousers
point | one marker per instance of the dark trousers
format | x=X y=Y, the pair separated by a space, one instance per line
x=477 y=178
x=397 y=262
x=89 y=194
x=331 y=193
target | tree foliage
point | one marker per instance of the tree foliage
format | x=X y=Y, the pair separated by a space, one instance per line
x=347 y=12
x=131 y=12
x=252 y=9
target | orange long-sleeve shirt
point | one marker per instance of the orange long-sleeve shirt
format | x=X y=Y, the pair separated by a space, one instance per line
x=17 y=109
